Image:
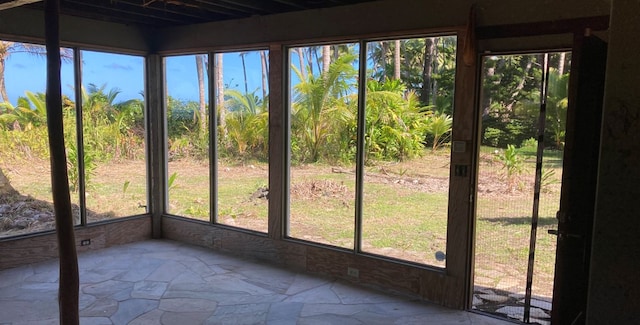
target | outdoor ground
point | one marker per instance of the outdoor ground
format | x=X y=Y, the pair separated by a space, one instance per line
x=404 y=208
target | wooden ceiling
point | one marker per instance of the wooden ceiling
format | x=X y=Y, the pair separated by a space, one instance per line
x=160 y=13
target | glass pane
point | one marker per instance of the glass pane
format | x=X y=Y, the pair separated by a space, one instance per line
x=114 y=135
x=323 y=88
x=243 y=139
x=408 y=126
x=507 y=165
x=25 y=172
x=188 y=136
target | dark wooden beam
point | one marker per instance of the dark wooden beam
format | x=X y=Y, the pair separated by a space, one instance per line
x=260 y=7
x=8 y=4
x=131 y=12
x=543 y=28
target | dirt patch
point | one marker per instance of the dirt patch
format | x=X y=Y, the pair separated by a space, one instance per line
x=314 y=189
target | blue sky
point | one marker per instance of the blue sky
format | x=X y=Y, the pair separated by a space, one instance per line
x=26 y=72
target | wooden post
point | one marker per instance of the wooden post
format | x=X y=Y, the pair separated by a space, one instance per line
x=68 y=295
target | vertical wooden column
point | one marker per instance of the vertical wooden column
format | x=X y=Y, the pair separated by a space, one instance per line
x=68 y=287
x=155 y=121
x=614 y=288
x=460 y=220
x=278 y=146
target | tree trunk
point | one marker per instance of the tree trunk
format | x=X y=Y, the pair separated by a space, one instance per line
x=563 y=57
x=203 y=104
x=222 y=111
x=396 y=61
x=520 y=86
x=68 y=289
x=265 y=75
x=244 y=72
x=5 y=48
x=5 y=186
x=310 y=59
x=384 y=48
x=326 y=58
x=434 y=71
x=427 y=71
x=3 y=87
x=303 y=68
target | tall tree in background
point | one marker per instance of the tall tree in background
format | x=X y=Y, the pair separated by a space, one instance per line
x=396 y=61
x=244 y=72
x=201 y=99
x=303 y=69
x=316 y=102
x=265 y=75
x=222 y=111
x=427 y=71
x=8 y=48
x=326 y=58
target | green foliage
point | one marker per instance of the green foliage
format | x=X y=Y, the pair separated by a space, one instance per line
x=186 y=138
x=530 y=143
x=512 y=165
x=171 y=182
x=73 y=166
x=395 y=123
x=112 y=130
x=438 y=126
x=247 y=125
x=557 y=104
x=320 y=103
x=548 y=179
x=511 y=102
x=412 y=67
x=125 y=187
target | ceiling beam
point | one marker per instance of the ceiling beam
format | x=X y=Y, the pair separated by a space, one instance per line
x=15 y=3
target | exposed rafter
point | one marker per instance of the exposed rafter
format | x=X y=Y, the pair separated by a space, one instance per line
x=161 y=13
x=4 y=4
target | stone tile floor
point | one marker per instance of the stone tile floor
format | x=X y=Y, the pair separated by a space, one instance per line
x=166 y=282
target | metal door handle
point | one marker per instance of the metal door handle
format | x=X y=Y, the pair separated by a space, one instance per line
x=563 y=233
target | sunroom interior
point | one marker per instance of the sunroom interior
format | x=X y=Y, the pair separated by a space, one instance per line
x=237 y=165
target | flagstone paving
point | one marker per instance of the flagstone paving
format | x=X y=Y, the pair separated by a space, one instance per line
x=167 y=282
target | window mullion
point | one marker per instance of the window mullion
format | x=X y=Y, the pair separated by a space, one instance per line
x=360 y=150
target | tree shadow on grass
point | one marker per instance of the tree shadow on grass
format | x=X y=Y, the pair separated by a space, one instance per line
x=514 y=221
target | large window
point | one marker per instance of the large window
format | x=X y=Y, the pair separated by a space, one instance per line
x=323 y=118
x=242 y=105
x=369 y=150
x=187 y=111
x=113 y=135
x=409 y=115
x=107 y=166
x=25 y=172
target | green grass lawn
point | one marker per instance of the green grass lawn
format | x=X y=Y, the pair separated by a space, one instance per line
x=404 y=208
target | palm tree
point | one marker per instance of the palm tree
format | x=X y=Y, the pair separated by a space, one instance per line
x=222 y=118
x=247 y=122
x=265 y=74
x=396 y=61
x=244 y=72
x=203 y=105
x=303 y=68
x=427 y=71
x=30 y=112
x=326 y=58
x=8 y=48
x=395 y=121
x=316 y=99
x=438 y=126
